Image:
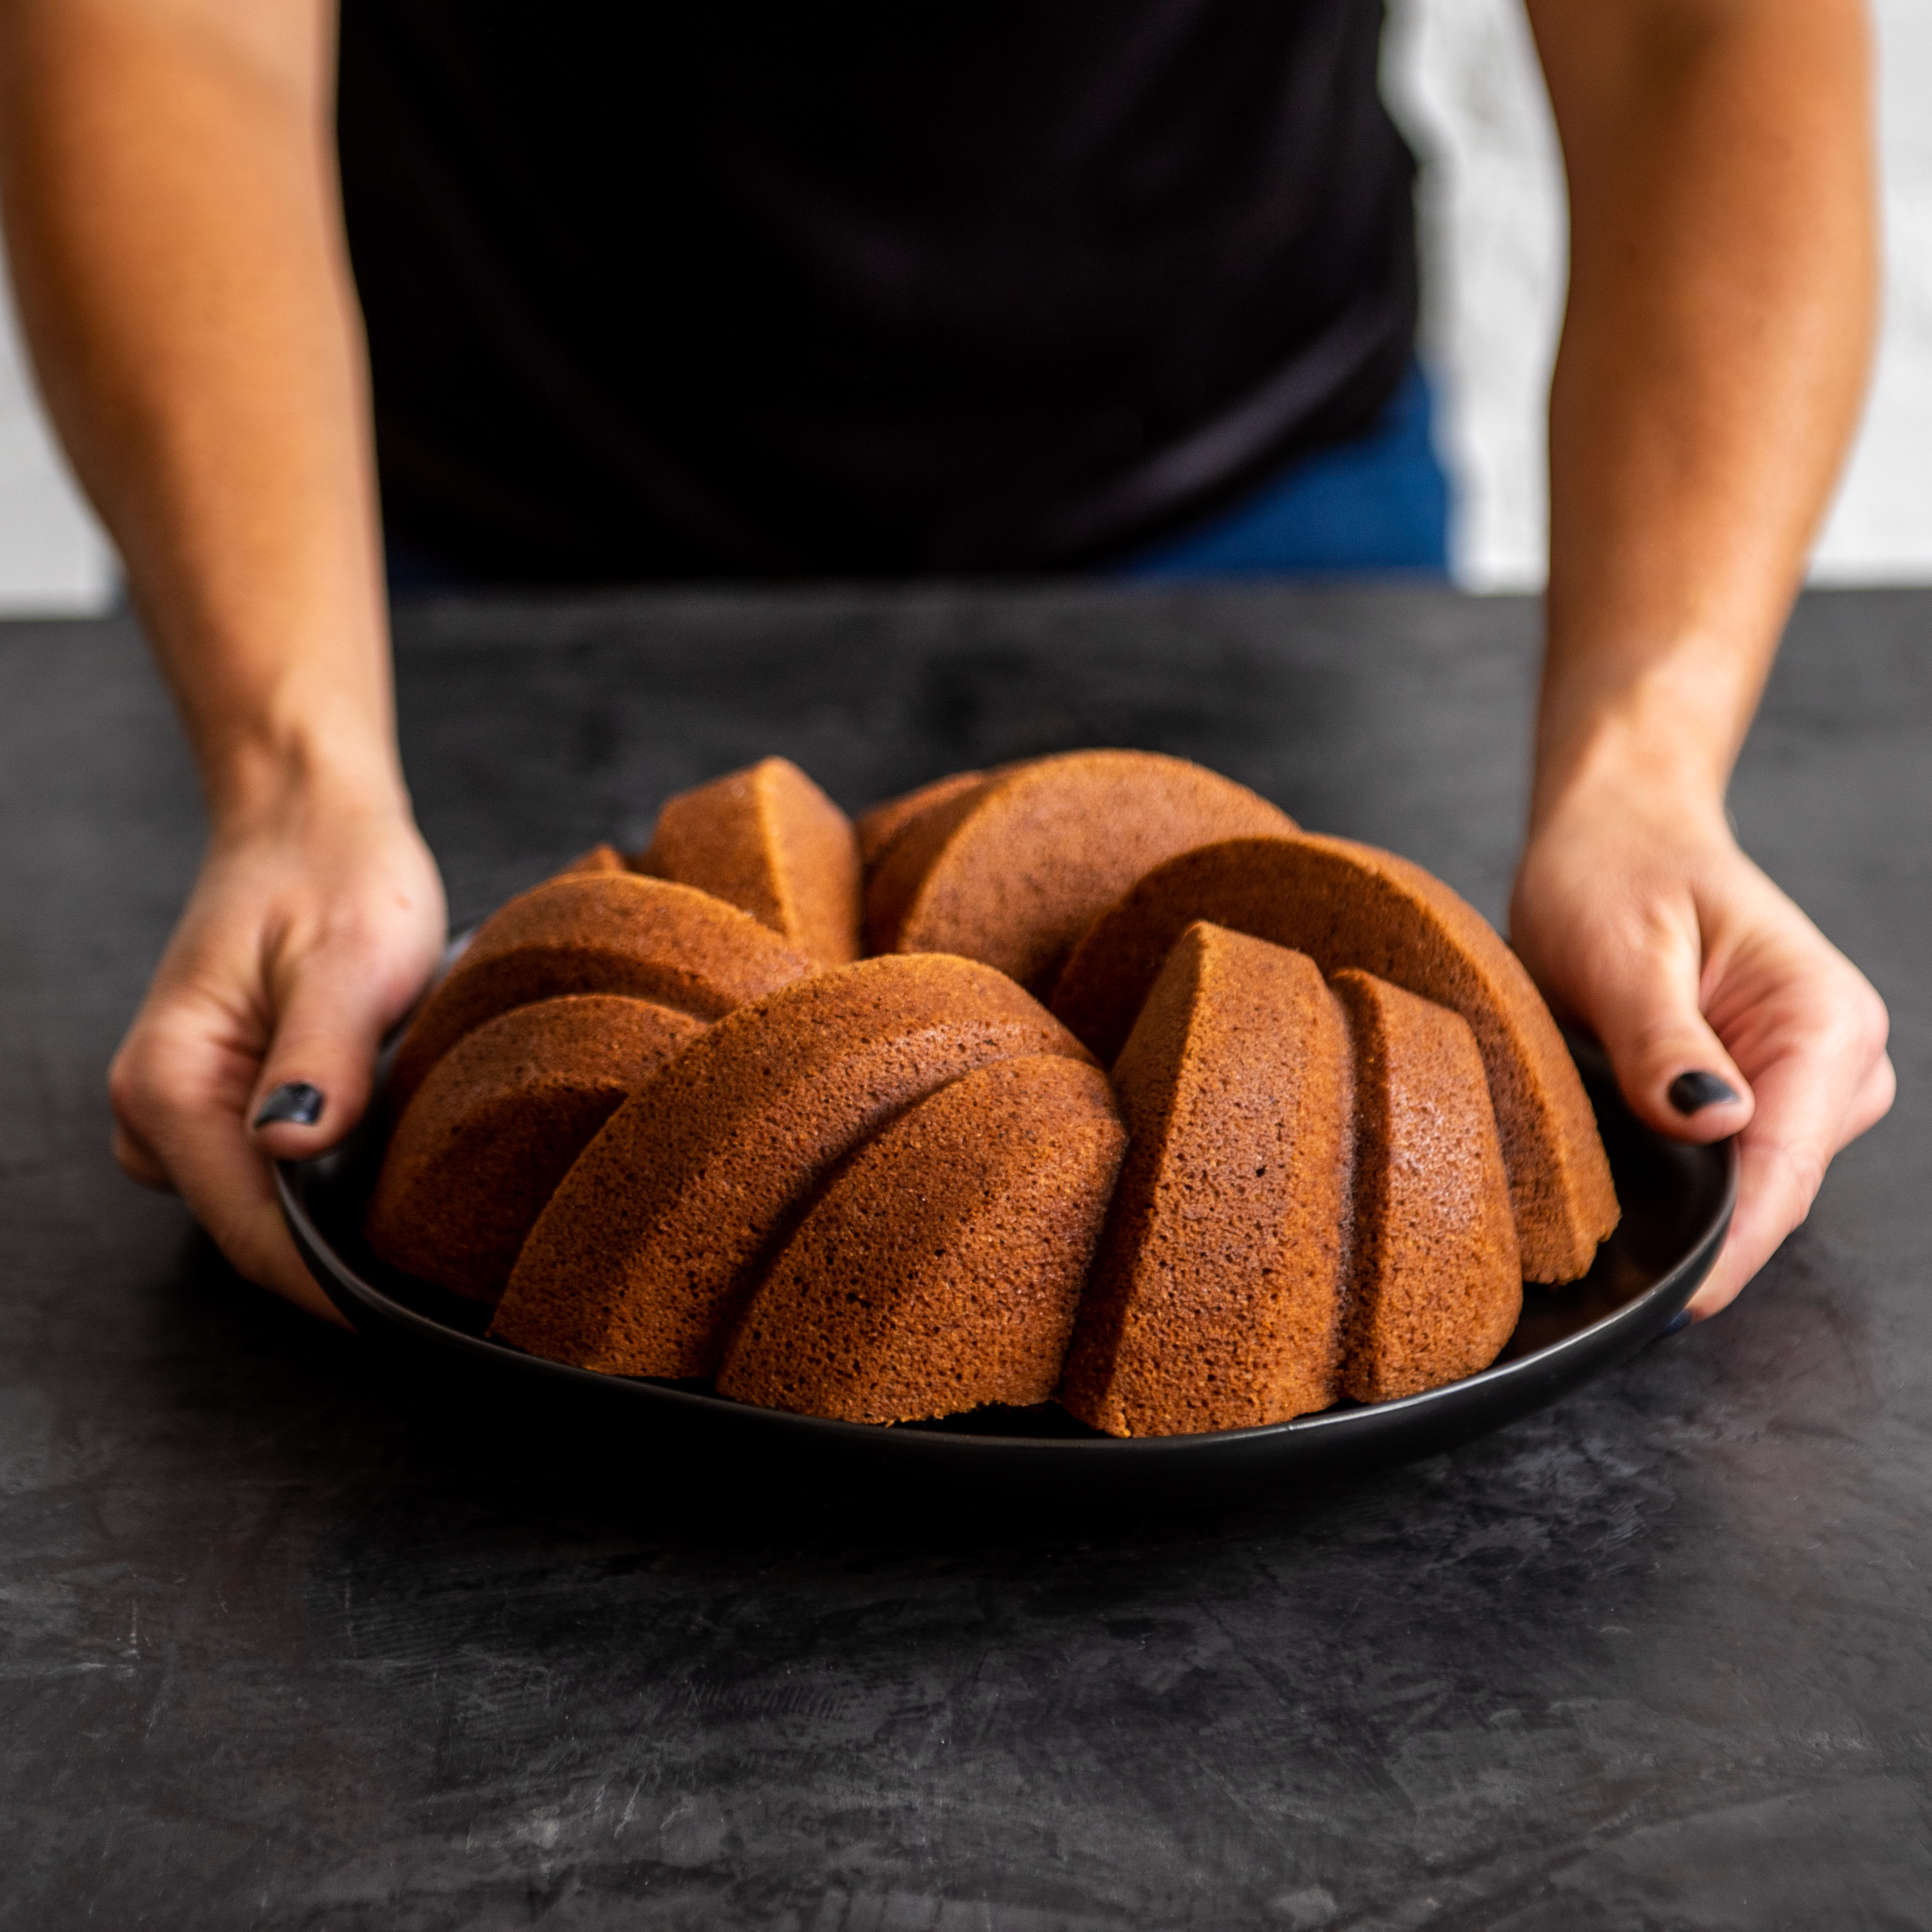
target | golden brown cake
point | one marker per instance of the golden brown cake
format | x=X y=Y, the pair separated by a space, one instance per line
x=646 y=1253
x=1346 y=904
x=1216 y=1300
x=496 y=1125
x=891 y=1189
x=768 y=841
x=1013 y=872
x=1435 y=1285
x=879 y=827
x=597 y=932
x=940 y=1269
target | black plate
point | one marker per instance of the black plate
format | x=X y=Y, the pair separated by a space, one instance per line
x=1677 y=1202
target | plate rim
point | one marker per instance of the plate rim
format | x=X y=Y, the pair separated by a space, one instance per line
x=1644 y=1313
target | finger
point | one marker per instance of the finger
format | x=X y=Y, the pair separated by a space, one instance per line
x=316 y=1076
x=1672 y=1068
x=233 y=1195
x=138 y=1163
x=1827 y=1086
x=1776 y=1187
x=179 y=1087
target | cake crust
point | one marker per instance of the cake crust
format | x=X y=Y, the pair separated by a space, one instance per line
x=1435 y=1283
x=767 y=841
x=940 y=1269
x=1216 y=1300
x=647 y=1251
x=496 y=1125
x=1014 y=871
x=600 y=858
x=880 y=826
x=1346 y=905
x=597 y=932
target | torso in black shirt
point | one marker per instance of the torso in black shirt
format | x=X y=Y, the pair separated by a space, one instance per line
x=751 y=289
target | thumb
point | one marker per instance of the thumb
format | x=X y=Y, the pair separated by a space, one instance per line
x=1671 y=1067
x=319 y=1068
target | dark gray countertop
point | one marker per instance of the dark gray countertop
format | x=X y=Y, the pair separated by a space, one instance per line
x=288 y=1638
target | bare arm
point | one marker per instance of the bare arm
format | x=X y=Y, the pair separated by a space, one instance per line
x=1723 y=284
x=168 y=173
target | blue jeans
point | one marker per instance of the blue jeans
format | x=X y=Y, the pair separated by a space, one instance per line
x=1378 y=506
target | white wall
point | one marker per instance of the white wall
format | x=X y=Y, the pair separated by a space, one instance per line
x=1881 y=529
x=1462 y=77
x=53 y=556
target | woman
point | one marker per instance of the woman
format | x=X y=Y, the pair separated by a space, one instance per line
x=1041 y=287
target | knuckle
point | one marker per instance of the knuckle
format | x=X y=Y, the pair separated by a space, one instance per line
x=1856 y=1027
x=141 y=1078
x=1872 y=1020
x=131 y=1087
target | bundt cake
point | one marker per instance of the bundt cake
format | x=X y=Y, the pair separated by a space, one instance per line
x=768 y=841
x=689 y=1137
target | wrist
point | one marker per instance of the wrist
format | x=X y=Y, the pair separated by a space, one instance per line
x=281 y=710
x=1657 y=741
x=1631 y=784
x=266 y=782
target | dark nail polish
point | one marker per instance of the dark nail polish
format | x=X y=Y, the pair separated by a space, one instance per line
x=294 y=1104
x=1691 y=1093
x=1676 y=1324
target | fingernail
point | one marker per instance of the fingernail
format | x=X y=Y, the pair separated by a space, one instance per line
x=1691 y=1093
x=1676 y=1324
x=294 y=1104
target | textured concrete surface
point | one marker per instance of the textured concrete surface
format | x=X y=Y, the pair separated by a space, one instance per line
x=1462 y=75
x=288 y=1638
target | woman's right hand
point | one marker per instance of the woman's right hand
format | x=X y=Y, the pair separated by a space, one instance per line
x=313 y=925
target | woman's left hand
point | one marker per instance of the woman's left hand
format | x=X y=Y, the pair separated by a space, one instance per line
x=1642 y=920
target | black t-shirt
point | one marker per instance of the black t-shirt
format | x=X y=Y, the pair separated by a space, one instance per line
x=741 y=289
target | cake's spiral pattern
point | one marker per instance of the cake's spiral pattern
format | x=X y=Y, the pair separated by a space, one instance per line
x=664 y=1119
